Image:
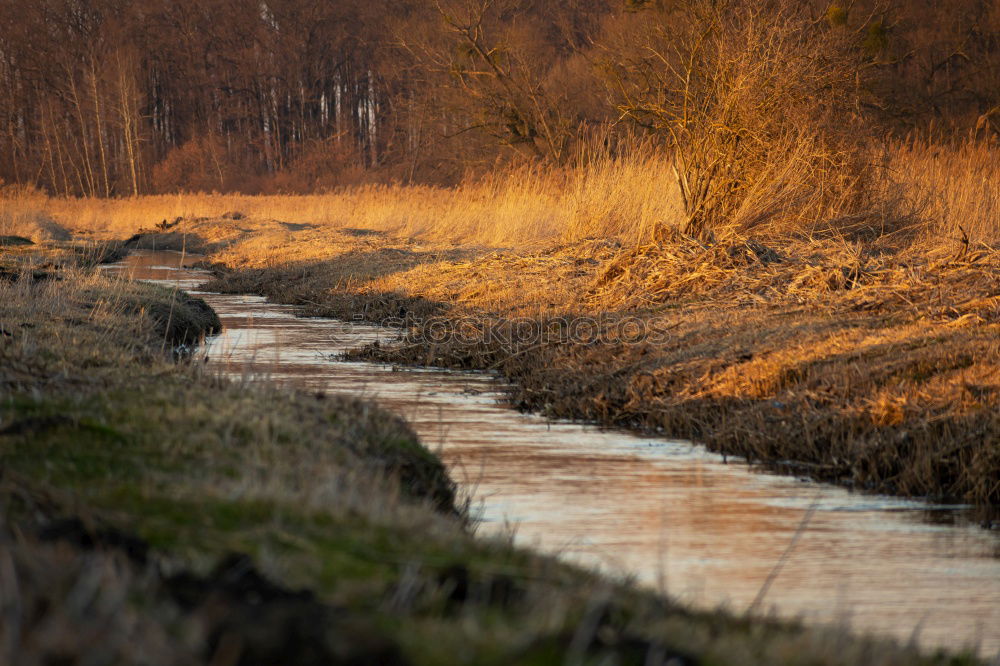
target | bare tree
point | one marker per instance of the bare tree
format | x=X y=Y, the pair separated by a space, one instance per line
x=496 y=70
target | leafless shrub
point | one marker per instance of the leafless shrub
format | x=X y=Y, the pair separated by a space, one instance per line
x=756 y=103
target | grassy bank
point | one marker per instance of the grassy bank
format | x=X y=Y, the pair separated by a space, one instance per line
x=154 y=513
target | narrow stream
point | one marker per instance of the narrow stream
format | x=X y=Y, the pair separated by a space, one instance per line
x=671 y=514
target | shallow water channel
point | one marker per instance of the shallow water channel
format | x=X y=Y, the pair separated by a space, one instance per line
x=671 y=514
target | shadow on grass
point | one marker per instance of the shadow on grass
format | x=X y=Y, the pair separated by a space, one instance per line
x=338 y=287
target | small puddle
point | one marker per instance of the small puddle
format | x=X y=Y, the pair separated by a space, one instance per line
x=669 y=513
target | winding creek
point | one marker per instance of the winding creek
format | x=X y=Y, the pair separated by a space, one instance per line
x=669 y=513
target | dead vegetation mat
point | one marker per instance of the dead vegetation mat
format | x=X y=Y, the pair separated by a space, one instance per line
x=850 y=362
x=868 y=361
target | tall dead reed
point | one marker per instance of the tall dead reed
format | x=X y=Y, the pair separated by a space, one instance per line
x=939 y=192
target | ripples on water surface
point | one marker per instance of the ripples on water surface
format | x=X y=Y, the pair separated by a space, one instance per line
x=667 y=512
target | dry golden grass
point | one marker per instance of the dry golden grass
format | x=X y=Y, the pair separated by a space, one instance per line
x=862 y=350
x=942 y=189
x=629 y=196
x=958 y=187
x=870 y=363
x=879 y=372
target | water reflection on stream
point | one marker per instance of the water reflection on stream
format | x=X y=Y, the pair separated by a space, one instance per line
x=668 y=512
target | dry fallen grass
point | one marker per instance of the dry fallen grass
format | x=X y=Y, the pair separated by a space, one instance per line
x=860 y=347
x=879 y=370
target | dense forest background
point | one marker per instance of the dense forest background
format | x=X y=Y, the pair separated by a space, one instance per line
x=118 y=97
